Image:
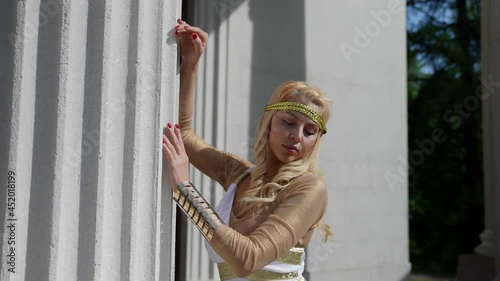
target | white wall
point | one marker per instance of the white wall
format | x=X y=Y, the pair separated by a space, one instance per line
x=356 y=52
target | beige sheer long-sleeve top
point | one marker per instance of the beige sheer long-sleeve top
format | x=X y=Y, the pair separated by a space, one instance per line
x=255 y=240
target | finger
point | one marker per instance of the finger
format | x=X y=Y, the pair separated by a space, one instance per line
x=165 y=129
x=179 y=137
x=202 y=34
x=183 y=33
x=169 y=142
x=185 y=36
x=174 y=141
x=198 y=44
x=180 y=21
x=181 y=27
x=167 y=150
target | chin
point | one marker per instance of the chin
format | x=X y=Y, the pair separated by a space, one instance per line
x=289 y=159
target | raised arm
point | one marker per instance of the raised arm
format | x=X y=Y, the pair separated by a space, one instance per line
x=219 y=165
x=192 y=42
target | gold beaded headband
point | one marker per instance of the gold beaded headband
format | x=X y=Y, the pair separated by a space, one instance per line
x=298 y=107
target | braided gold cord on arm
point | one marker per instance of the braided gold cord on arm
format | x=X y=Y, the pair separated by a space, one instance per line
x=197 y=209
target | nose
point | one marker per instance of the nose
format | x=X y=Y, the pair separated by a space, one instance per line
x=296 y=135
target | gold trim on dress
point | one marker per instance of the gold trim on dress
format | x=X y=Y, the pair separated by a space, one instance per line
x=226 y=273
x=293 y=257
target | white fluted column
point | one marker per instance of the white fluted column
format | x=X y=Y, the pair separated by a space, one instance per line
x=86 y=87
x=487 y=245
x=490 y=43
x=490 y=77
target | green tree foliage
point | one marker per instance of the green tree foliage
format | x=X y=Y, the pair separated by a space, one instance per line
x=445 y=183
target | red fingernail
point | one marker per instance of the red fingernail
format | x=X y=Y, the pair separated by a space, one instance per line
x=195 y=36
x=176 y=27
x=177 y=126
x=176 y=32
x=169 y=125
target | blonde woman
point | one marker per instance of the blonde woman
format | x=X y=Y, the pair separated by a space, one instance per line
x=270 y=209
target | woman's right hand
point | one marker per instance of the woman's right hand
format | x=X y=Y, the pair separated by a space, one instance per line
x=176 y=156
x=192 y=42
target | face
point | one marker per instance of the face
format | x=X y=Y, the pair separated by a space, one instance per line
x=292 y=135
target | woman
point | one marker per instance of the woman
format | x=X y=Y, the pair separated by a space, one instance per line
x=270 y=210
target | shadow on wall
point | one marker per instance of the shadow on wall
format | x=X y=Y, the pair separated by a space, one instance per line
x=44 y=145
x=278 y=52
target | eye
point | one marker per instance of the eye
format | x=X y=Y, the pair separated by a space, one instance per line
x=308 y=133
x=287 y=123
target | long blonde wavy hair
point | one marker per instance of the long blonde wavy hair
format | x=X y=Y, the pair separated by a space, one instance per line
x=295 y=91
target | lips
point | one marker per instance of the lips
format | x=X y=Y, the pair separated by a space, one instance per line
x=291 y=147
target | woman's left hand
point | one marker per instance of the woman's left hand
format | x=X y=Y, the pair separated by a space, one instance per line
x=192 y=41
x=176 y=156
